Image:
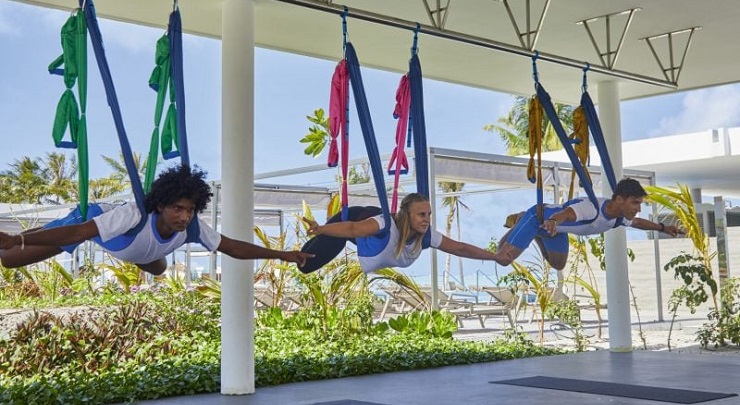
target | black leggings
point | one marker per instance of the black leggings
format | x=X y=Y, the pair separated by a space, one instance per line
x=326 y=248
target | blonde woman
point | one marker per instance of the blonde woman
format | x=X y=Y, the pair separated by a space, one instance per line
x=399 y=246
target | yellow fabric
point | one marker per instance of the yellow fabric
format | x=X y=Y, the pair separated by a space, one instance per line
x=511 y=220
x=581 y=147
x=534 y=170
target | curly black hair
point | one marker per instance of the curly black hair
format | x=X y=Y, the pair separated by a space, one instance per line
x=629 y=188
x=176 y=183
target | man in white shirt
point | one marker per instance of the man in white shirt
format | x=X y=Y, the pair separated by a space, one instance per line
x=172 y=205
x=579 y=217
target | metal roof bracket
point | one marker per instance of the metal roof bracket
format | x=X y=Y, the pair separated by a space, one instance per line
x=671 y=69
x=609 y=55
x=438 y=15
x=528 y=37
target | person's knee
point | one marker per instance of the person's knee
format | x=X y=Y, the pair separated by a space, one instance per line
x=155 y=271
x=558 y=262
x=8 y=262
x=156 y=268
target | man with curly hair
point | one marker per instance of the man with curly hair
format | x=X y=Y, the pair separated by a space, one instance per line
x=176 y=197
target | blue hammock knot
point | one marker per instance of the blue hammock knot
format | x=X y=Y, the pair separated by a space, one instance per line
x=414 y=47
x=535 y=75
x=584 y=86
x=344 y=15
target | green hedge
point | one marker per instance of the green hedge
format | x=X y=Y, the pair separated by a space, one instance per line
x=281 y=357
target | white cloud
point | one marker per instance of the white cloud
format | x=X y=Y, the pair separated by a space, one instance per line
x=703 y=109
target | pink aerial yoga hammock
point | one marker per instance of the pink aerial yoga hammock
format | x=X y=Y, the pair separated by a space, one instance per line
x=338 y=99
x=401 y=112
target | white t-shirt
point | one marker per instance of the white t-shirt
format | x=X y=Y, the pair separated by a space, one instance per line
x=387 y=257
x=147 y=245
x=586 y=211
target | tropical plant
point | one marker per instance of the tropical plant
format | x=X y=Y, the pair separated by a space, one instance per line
x=60 y=175
x=433 y=323
x=127 y=274
x=52 y=180
x=538 y=276
x=728 y=317
x=24 y=181
x=120 y=172
x=318 y=137
x=318 y=133
x=694 y=269
x=513 y=128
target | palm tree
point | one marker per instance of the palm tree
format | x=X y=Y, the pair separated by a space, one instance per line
x=454 y=204
x=514 y=127
x=61 y=178
x=24 y=182
x=120 y=173
x=119 y=180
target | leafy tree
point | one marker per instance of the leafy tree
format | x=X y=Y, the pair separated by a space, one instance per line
x=119 y=167
x=318 y=133
x=318 y=138
x=61 y=175
x=514 y=127
x=25 y=181
x=53 y=180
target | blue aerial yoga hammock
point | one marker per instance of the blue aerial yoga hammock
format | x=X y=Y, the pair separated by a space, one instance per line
x=326 y=248
x=596 y=132
x=598 y=135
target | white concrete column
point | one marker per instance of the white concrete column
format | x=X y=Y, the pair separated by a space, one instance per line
x=617 y=275
x=237 y=174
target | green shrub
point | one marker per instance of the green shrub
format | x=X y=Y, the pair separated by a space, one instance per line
x=154 y=345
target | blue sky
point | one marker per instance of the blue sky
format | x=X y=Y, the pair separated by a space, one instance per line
x=288 y=87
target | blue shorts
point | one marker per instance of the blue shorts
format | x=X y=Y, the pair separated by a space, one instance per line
x=529 y=228
x=74 y=217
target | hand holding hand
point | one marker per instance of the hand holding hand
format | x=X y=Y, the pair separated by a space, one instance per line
x=296 y=257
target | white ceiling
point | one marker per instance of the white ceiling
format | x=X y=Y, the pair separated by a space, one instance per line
x=712 y=58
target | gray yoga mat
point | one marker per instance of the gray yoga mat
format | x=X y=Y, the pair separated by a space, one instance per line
x=679 y=396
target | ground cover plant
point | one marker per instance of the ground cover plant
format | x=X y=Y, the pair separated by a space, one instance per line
x=165 y=341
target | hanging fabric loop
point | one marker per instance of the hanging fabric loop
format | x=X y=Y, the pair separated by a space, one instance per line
x=580 y=140
x=534 y=167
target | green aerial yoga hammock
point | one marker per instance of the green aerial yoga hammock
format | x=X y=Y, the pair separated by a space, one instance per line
x=74 y=60
x=161 y=81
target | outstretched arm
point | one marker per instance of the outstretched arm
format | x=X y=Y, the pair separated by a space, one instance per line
x=244 y=250
x=646 y=225
x=463 y=249
x=59 y=236
x=345 y=229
